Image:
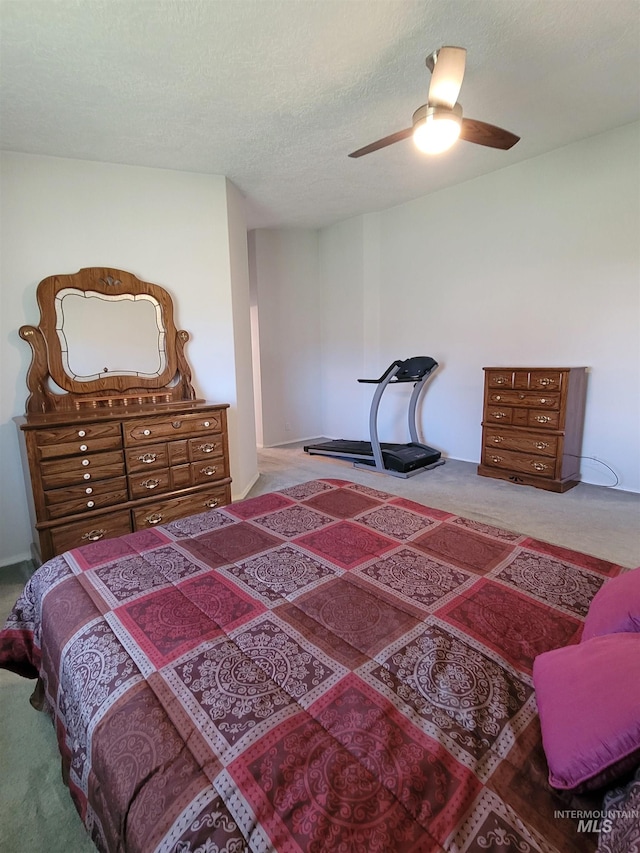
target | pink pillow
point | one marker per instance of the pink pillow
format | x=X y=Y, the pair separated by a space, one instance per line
x=615 y=607
x=589 y=704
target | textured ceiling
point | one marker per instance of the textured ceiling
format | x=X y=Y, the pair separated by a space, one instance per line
x=274 y=94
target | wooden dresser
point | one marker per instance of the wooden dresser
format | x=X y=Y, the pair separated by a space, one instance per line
x=532 y=425
x=94 y=476
x=114 y=439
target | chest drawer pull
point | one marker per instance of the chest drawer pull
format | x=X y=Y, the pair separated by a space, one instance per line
x=497 y=439
x=148 y=457
x=207 y=448
x=541 y=445
x=94 y=535
x=498 y=415
x=176 y=424
x=154 y=518
x=212 y=503
x=88 y=491
x=496 y=458
x=86 y=476
x=146 y=432
x=207 y=423
x=90 y=504
x=81 y=433
x=546 y=381
x=151 y=483
x=209 y=470
x=500 y=380
x=543 y=419
x=85 y=462
x=539 y=466
x=83 y=447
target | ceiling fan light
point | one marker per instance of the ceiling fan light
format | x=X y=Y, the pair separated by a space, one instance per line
x=439 y=129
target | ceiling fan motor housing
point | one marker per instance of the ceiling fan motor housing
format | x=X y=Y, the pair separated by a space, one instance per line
x=425 y=111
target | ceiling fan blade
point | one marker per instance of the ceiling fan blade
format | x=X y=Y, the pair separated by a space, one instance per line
x=487 y=134
x=382 y=143
x=447 y=66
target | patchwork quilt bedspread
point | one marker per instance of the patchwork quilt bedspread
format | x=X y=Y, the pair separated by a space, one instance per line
x=326 y=668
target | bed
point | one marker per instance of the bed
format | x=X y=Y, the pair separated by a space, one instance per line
x=323 y=668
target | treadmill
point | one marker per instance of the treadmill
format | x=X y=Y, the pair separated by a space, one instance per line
x=398 y=460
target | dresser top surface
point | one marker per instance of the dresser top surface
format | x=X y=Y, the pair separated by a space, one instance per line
x=114 y=413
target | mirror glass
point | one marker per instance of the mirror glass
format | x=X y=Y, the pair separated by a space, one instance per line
x=115 y=335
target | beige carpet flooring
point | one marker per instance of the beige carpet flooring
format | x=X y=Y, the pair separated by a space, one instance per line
x=36 y=812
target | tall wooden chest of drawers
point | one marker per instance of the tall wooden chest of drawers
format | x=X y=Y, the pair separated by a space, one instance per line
x=98 y=474
x=532 y=425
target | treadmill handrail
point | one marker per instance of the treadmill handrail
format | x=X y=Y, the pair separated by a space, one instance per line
x=422 y=367
x=384 y=375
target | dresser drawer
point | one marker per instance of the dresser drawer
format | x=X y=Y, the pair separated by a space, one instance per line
x=499 y=414
x=145 y=484
x=88 y=503
x=161 y=512
x=59 y=479
x=550 y=380
x=207 y=447
x=79 y=533
x=499 y=378
x=78 y=434
x=523 y=399
x=497 y=440
x=147 y=458
x=543 y=420
x=524 y=463
x=88 y=491
x=80 y=446
x=206 y=471
x=168 y=427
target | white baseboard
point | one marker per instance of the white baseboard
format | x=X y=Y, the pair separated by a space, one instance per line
x=17 y=558
x=246 y=491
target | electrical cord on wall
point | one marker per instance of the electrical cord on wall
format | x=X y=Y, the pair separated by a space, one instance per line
x=600 y=462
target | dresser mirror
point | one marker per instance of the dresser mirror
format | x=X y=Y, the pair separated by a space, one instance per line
x=88 y=323
x=105 y=338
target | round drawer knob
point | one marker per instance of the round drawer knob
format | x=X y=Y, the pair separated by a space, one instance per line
x=146 y=432
x=86 y=476
x=90 y=504
x=83 y=447
x=207 y=423
x=85 y=462
x=81 y=433
x=89 y=490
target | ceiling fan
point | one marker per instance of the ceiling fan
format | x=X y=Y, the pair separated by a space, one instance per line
x=439 y=123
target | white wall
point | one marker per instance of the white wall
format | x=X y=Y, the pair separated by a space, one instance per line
x=537 y=264
x=285 y=273
x=175 y=229
x=244 y=457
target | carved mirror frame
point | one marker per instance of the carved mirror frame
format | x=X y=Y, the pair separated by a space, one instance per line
x=53 y=389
